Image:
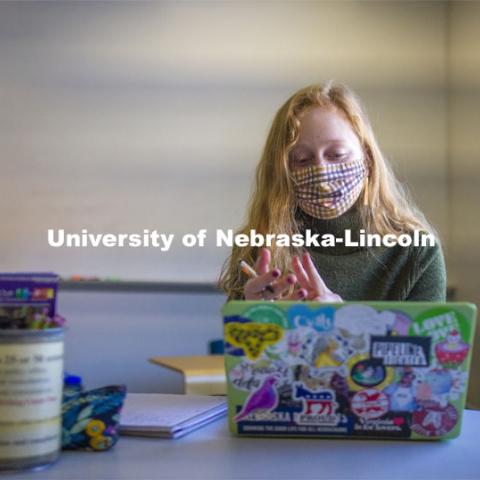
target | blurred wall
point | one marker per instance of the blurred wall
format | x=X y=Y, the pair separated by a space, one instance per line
x=464 y=164
x=102 y=347
x=120 y=116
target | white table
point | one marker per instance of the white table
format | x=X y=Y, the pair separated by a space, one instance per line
x=211 y=453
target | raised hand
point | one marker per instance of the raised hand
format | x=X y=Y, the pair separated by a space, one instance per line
x=309 y=279
x=270 y=284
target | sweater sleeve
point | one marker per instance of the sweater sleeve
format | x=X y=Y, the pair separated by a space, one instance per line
x=429 y=278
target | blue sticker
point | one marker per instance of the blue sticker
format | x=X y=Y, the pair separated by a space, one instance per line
x=321 y=319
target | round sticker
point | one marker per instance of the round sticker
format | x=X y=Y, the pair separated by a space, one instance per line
x=367 y=373
x=432 y=420
x=370 y=403
x=267 y=314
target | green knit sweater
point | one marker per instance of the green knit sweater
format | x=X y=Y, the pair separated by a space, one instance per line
x=376 y=273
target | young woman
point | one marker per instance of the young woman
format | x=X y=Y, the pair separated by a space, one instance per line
x=322 y=170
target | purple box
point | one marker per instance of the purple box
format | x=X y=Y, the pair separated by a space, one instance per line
x=35 y=291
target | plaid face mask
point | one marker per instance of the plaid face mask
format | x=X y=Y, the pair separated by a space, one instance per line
x=328 y=191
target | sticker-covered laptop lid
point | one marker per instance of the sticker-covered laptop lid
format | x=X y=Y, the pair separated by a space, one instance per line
x=376 y=369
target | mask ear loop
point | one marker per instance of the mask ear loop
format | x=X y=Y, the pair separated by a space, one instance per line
x=367 y=159
x=365 y=193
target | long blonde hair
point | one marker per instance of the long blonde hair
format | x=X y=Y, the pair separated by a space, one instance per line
x=272 y=206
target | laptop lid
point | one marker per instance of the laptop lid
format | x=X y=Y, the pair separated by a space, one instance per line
x=356 y=369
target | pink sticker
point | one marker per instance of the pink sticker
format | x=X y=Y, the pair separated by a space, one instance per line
x=452 y=352
x=433 y=420
x=370 y=403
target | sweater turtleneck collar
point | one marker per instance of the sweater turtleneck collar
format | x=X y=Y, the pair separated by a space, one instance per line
x=350 y=220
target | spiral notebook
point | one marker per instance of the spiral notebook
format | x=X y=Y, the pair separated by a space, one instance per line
x=168 y=415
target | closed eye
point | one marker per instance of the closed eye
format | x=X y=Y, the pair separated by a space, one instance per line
x=338 y=155
x=302 y=161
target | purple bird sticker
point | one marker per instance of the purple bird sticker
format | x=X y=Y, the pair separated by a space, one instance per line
x=264 y=398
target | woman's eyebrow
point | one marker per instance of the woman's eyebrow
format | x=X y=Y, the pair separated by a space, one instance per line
x=333 y=141
x=336 y=141
x=300 y=146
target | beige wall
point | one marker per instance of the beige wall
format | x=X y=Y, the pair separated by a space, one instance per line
x=464 y=162
x=122 y=116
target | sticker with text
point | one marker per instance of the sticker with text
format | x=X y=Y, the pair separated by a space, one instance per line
x=393 y=424
x=319 y=407
x=401 y=351
x=321 y=319
x=438 y=323
x=248 y=376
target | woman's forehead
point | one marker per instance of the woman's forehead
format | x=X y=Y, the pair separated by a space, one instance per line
x=324 y=125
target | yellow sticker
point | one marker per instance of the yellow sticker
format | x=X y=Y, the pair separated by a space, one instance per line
x=252 y=337
x=363 y=374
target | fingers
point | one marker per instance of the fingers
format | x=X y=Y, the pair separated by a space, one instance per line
x=310 y=279
x=300 y=272
x=266 y=288
x=307 y=275
x=270 y=285
x=299 y=294
x=262 y=265
x=281 y=287
x=315 y=280
x=328 y=297
x=256 y=287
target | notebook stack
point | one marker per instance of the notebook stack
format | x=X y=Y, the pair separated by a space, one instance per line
x=169 y=415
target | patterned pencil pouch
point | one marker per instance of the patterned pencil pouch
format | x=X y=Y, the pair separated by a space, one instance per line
x=91 y=418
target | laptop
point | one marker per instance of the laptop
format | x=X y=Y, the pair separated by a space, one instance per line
x=390 y=370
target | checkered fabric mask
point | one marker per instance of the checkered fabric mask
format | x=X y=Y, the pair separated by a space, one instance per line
x=328 y=191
